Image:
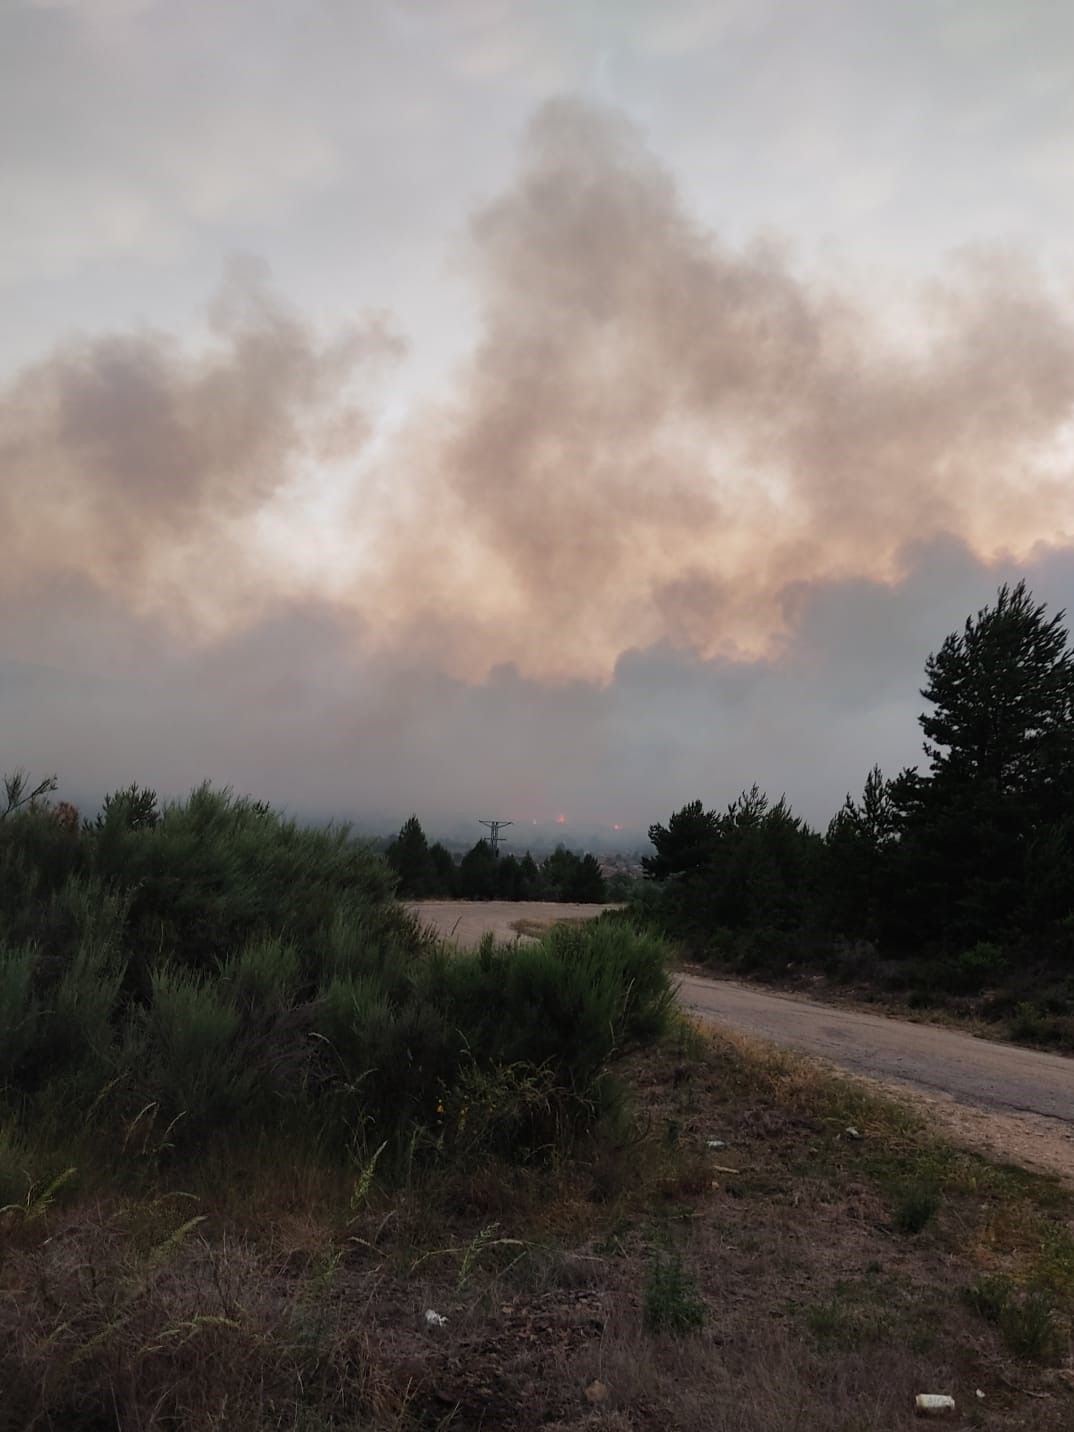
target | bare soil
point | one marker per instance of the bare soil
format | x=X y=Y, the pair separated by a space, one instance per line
x=466 y=921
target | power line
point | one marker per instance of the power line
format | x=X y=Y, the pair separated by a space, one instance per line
x=495 y=826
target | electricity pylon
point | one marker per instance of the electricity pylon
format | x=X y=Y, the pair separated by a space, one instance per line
x=495 y=826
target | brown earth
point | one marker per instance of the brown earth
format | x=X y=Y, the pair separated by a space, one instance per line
x=465 y=921
x=657 y=1282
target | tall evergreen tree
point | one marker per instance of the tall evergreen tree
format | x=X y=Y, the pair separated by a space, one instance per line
x=408 y=855
x=443 y=868
x=1002 y=690
x=559 y=872
x=587 y=886
x=685 y=844
x=858 y=850
x=477 y=873
x=1000 y=744
x=529 y=879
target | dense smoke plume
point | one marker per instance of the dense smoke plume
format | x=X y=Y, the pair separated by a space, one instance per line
x=142 y=468
x=656 y=437
x=620 y=562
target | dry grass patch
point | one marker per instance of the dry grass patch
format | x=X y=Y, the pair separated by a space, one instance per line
x=725 y=1254
x=533 y=929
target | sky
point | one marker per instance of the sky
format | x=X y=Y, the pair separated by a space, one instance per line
x=519 y=408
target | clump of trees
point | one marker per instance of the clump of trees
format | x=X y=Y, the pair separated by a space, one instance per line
x=428 y=871
x=957 y=872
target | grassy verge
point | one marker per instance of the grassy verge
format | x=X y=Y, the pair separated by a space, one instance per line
x=741 y=1242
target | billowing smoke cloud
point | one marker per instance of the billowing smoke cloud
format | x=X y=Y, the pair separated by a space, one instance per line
x=686 y=519
x=657 y=436
x=288 y=710
x=139 y=466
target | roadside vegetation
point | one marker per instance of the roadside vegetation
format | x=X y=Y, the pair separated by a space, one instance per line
x=947 y=889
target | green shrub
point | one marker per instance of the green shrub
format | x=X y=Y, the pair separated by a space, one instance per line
x=570 y=1000
x=1032 y=1026
x=209 y=966
x=983 y=965
x=265 y=975
x=990 y=1295
x=1028 y=1320
x=916 y=1203
x=193 y=1030
x=1031 y=1328
x=672 y=1303
x=18 y=1008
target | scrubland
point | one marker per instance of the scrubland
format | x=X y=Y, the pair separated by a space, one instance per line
x=256 y=1126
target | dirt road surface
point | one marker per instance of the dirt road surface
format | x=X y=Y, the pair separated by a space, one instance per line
x=465 y=921
x=1016 y=1103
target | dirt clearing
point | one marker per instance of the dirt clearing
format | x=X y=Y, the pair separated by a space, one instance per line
x=465 y=921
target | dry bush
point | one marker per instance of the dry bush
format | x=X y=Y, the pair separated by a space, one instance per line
x=758 y=1377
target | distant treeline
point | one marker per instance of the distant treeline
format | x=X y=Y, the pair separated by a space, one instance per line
x=953 y=880
x=429 y=871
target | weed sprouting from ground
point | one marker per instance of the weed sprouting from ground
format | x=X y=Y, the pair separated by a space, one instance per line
x=672 y=1302
x=1030 y=1319
x=917 y=1201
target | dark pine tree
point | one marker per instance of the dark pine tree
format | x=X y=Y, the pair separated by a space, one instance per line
x=443 y=870
x=684 y=845
x=559 y=871
x=587 y=885
x=409 y=857
x=1000 y=744
x=477 y=873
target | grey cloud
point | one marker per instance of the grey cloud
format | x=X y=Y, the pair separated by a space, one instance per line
x=294 y=710
x=130 y=459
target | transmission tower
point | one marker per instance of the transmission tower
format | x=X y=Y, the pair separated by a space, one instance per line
x=495 y=826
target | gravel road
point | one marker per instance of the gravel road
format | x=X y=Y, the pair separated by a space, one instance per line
x=1017 y=1102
